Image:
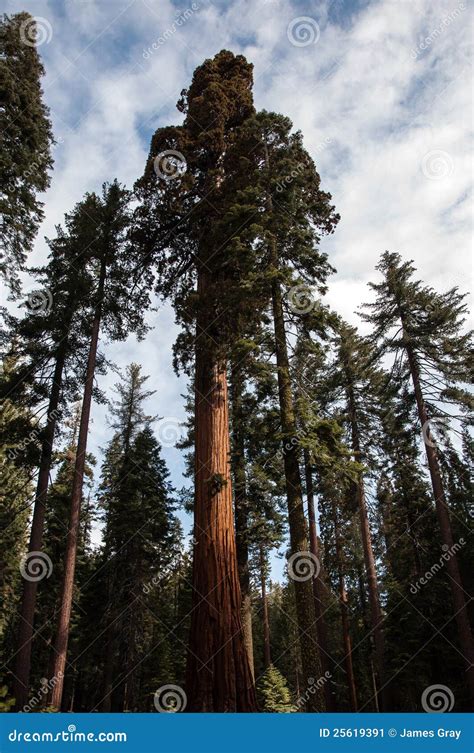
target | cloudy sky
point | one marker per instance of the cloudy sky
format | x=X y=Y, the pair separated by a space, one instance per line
x=379 y=88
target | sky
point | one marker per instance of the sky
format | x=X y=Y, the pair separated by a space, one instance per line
x=379 y=88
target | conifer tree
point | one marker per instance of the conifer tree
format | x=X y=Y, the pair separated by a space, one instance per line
x=26 y=143
x=426 y=332
x=182 y=221
x=52 y=335
x=274 y=694
x=107 y=219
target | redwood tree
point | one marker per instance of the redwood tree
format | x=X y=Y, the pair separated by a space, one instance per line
x=182 y=221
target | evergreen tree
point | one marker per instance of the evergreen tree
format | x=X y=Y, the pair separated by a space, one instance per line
x=107 y=219
x=182 y=221
x=426 y=332
x=274 y=695
x=26 y=143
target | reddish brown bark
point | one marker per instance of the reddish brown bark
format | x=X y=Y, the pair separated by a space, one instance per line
x=442 y=512
x=267 y=654
x=296 y=517
x=218 y=672
x=62 y=635
x=346 y=636
x=374 y=600
x=28 y=603
x=318 y=590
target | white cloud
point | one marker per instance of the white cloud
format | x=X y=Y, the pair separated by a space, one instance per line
x=360 y=86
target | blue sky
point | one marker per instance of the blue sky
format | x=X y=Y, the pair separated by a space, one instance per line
x=380 y=90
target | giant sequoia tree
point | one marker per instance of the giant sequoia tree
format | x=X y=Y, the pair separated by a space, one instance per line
x=182 y=221
x=25 y=143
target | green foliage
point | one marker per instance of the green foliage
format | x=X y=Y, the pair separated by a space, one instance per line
x=274 y=695
x=26 y=143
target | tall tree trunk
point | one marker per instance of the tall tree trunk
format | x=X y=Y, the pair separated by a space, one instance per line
x=241 y=510
x=62 y=635
x=442 y=512
x=267 y=655
x=30 y=587
x=346 y=636
x=318 y=590
x=218 y=672
x=296 y=516
x=374 y=600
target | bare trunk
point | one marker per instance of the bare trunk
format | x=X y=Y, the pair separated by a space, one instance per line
x=318 y=591
x=62 y=635
x=241 y=511
x=267 y=655
x=296 y=517
x=452 y=565
x=218 y=672
x=346 y=636
x=374 y=600
x=30 y=587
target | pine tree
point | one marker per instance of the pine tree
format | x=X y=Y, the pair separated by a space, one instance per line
x=137 y=497
x=357 y=378
x=425 y=330
x=274 y=695
x=286 y=217
x=52 y=336
x=107 y=219
x=26 y=143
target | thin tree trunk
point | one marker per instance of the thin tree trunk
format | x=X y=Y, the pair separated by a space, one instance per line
x=369 y=559
x=318 y=590
x=296 y=517
x=62 y=635
x=442 y=511
x=28 y=604
x=267 y=655
x=241 y=511
x=218 y=672
x=346 y=636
